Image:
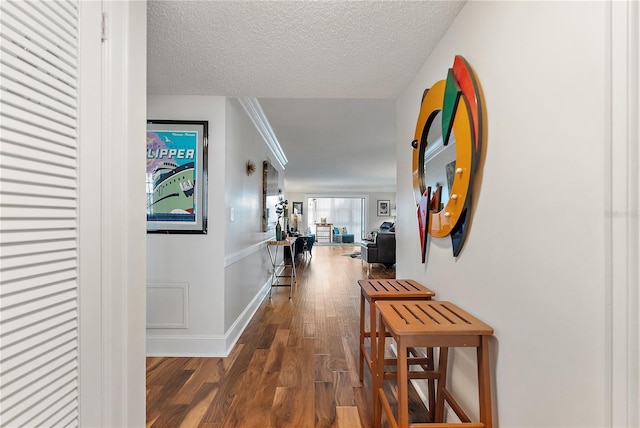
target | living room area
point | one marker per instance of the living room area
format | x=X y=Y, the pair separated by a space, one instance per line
x=364 y=224
x=340 y=219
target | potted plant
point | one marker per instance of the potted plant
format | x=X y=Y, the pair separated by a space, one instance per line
x=281 y=208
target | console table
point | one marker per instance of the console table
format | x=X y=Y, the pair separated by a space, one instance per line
x=324 y=232
x=288 y=269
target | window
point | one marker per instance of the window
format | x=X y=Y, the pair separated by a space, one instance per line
x=341 y=212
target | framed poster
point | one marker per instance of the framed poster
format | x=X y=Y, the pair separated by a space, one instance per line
x=297 y=208
x=177 y=176
x=383 y=209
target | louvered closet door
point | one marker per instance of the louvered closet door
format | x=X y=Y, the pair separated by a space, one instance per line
x=38 y=214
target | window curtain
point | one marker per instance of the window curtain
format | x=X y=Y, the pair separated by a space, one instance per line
x=341 y=212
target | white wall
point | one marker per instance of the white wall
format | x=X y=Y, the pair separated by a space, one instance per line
x=211 y=283
x=247 y=264
x=195 y=260
x=533 y=265
x=373 y=220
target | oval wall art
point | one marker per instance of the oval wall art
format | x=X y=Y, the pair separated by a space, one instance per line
x=447 y=147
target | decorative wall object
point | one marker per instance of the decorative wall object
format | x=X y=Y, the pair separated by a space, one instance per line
x=177 y=176
x=250 y=168
x=449 y=126
x=384 y=209
x=297 y=208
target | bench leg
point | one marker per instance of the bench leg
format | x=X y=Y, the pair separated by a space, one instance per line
x=403 y=386
x=378 y=376
x=361 y=368
x=484 y=383
x=442 y=385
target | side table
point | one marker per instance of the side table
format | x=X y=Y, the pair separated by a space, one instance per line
x=272 y=249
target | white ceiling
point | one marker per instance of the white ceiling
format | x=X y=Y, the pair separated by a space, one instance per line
x=326 y=73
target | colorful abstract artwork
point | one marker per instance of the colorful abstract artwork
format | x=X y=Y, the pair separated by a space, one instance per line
x=176 y=176
x=449 y=123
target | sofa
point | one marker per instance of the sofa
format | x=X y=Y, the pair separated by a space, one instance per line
x=342 y=238
x=382 y=248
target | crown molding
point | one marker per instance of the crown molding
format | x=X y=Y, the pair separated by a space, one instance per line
x=257 y=116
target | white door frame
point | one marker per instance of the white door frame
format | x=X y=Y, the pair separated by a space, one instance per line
x=112 y=225
x=622 y=228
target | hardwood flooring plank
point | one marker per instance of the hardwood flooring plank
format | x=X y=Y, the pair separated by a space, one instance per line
x=265 y=389
x=274 y=359
x=171 y=416
x=161 y=406
x=343 y=390
x=215 y=370
x=194 y=363
x=338 y=361
x=201 y=402
x=151 y=421
x=297 y=371
x=200 y=375
x=235 y=352
x=293 y=409
x=243 y=391
x=351 y=348
x=290 y=373
x=251 y=417
x=153 y=394
x=236 y=370
x=323 y=369
x=325 y=405
x=309 y=330
x=294 y=365
x=153 y=362
x=362 y=396
x=163 y=372
x=347 y=417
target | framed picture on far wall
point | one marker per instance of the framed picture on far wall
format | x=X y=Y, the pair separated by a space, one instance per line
x=297 y=208
x=383 y=209
x=176 y=176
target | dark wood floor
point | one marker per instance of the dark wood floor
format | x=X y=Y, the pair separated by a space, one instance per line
x=295 y=365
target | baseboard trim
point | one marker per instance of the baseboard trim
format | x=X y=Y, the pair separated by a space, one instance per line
x=234 y=332
x=205 y=345
x=189 y=346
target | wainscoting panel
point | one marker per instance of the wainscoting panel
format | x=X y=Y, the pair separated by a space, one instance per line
x=168 y=305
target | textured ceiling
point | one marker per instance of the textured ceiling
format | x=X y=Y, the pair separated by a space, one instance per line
x=290 y=52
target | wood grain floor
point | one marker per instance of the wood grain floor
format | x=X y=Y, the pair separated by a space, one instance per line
x=295 y=365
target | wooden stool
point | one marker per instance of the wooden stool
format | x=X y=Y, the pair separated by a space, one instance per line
x=373 y=290
x=415 y=323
